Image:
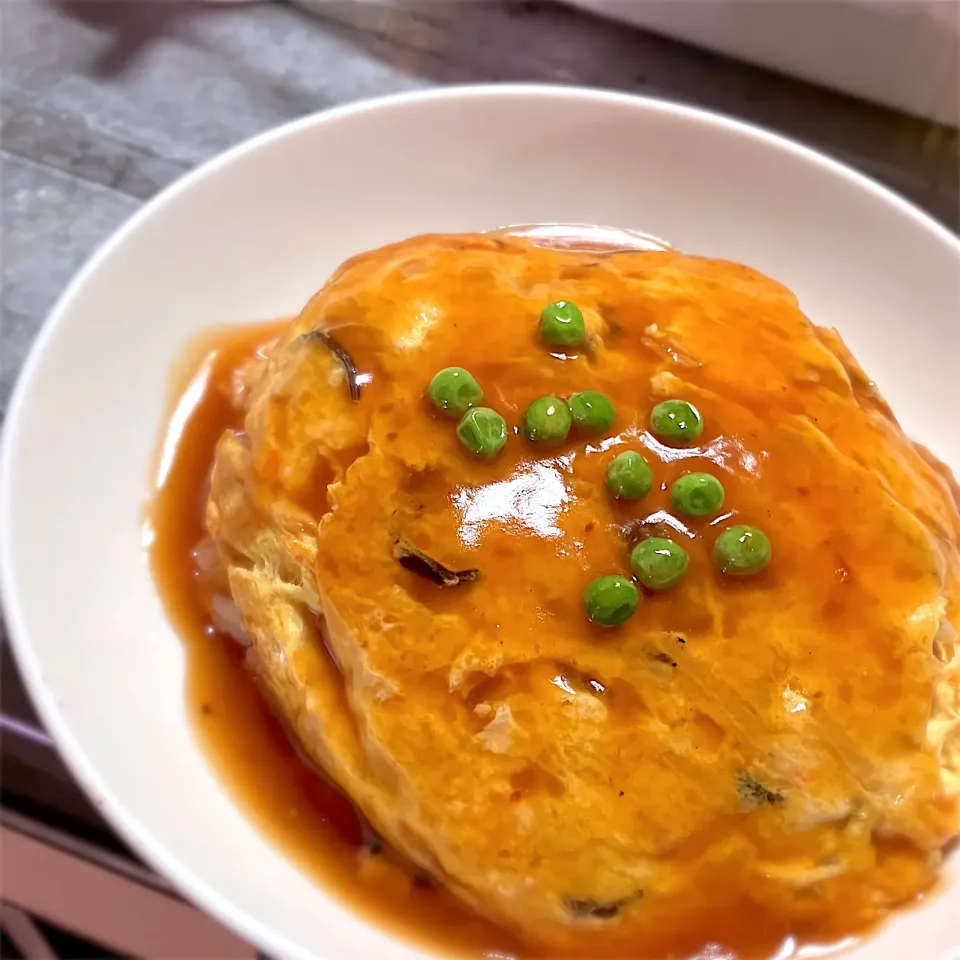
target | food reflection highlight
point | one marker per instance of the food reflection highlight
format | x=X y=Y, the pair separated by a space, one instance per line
x=529 y=501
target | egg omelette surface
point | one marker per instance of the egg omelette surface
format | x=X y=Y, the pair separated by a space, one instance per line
x=781 y=750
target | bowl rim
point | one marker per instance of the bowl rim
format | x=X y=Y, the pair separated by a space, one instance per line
x=126 y=823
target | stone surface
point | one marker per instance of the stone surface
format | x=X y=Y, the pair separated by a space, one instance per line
x=107 y=101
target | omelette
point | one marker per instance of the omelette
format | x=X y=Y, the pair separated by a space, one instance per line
x=606 y=586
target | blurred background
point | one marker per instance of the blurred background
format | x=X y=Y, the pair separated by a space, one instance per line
x=105 y=102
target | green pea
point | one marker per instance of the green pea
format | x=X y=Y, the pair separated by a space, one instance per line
x=454 y=391
x=610 y=601
x=659 y=563
x=592 y=411
x=547 y=420
x=676 y=422
x=697 y=494
x=742 y=550
x=629 y=476
x=483 y=431
x=561 y=324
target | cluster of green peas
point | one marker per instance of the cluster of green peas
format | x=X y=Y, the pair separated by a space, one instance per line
x=657 y=562
x=548 y=420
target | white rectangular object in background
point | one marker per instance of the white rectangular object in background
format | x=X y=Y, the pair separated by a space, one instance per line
x=901 y=53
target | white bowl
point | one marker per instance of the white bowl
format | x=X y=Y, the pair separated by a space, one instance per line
x=249 y=236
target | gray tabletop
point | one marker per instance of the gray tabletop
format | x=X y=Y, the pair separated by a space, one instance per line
x=104 y=103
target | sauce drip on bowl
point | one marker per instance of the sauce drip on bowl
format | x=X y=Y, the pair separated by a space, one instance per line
x=287 y=798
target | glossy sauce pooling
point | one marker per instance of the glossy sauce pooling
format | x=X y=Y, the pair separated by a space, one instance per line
x=805 y=677
x=286 y=797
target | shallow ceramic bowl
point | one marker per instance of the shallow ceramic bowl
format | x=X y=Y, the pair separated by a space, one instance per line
x=250 y=236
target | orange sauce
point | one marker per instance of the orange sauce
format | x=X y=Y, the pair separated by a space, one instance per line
x=285 y=795
x=307 y=815
x=287 y=798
